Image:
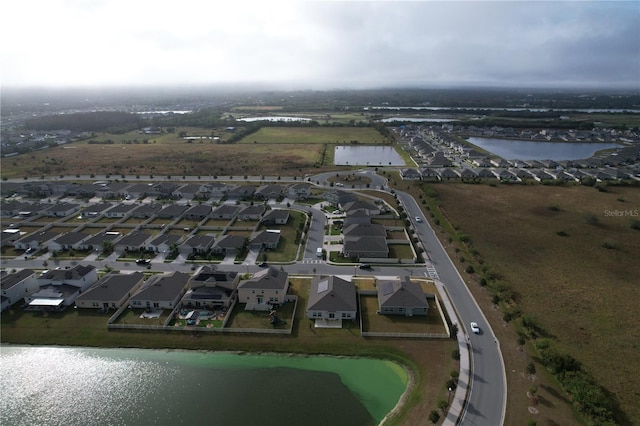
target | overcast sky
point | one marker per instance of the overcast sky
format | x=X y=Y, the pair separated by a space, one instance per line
x=320 y=45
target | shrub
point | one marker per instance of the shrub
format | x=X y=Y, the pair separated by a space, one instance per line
x=470 y=269
x=562 y=234
x=554 y=207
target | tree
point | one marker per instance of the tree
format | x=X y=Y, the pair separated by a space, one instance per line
x=442 y=405
x=107 y=247
x=434 y=417
x=531 y=369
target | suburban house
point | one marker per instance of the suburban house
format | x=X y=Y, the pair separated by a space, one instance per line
x=299 y=191
x=161 y=292
x=111 y=291
x=8 y=237
x=217 y=190
x=365 y=240
x=225 y=211
x=264 y=290
x=198 y=244
x=134 y=242
x=120 y=210
x=357 y=216
x=35 y=241
x=254 y=212
x=276 y=217
x=145 y=211
x=172 y=211
x=266 y=239
x=241 y=192
x=409 y=174
x=62 y=209
x=401 y=296
x=59 y=288
x=164 y=243
x=371 y=208
x=97 y=241
x=268 y=192
x=95 y=210
x=16 y=286
x=189 y=191
x=331 y=299
x=339 y=198
x=448 y=174
x=429 y=174
x=211 y=289
x=468 y=174
x=198 y=212
x=68 y=241
x=229 y=244
x=138 y=190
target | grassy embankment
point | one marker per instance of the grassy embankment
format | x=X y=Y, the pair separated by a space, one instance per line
x=429 y=361
x=556 y=272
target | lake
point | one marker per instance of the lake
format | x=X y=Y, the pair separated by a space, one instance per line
x=537 y=150
x=81 y=386
x=366 y=155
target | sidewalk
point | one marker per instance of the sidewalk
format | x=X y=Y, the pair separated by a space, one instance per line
x=459 y=399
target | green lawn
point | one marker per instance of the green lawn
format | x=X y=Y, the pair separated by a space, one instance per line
x=314 y=135
x=371 y=321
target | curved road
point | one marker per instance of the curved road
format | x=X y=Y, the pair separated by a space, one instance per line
x=486 y=402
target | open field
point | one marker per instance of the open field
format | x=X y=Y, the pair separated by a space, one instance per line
x=430 y=360
x=277 y=151
x=549 y=244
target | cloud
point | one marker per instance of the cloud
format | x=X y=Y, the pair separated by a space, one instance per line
x=320 y=44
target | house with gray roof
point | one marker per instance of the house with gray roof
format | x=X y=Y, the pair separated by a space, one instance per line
x=210 y=288
x=133 y=242
x=276 y=217
x=96 y=242
x=198 y=244
x=371 y=208
x=172 y=211
x=59 y=288
x=268 y=192
x=331 y=299
x=409 y=174
x=17 y=285
x=266 y=239
x=163 y=243
x=365 y=247
x=241 y=192
x=229 y=244
x=68 y=241
x=95 y=210
x=448 y=174
x=111 y=291
x=137 y=190
x=62 y=209
x=254 y=212
x=225 y=211
x=147 y=210
x=299 y=191
x=161 y=291
x=401 y=296
x=120 y=210
x=35 y=241
x=264 y=290
x=198 y=212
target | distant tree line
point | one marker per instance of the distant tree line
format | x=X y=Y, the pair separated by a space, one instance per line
x=97 y=121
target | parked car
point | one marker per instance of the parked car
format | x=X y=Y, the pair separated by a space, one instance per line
x=263 y=264
x=143 y=261
x=336 y=212
x=475 y=328
x=364 y=266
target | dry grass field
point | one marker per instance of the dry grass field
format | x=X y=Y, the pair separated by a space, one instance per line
x=276 y=151
x=571 y=257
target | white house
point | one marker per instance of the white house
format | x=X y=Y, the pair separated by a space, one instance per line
x=16 y=286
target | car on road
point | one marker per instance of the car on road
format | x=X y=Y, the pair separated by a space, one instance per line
x=475 y=328
x=418 y=219
x=336 y=212
x=364 y=266
x=143 y=261
x=263 y=264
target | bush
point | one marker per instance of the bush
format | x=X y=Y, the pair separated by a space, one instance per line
x=562 y=234
x=609 y=245
x=470 y=269
x=553 y=207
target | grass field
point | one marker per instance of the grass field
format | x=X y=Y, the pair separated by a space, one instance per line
x=276 y=151
x=550 y=244
x=430 y=360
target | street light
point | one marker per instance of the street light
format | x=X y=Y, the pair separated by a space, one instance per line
x=449 y=395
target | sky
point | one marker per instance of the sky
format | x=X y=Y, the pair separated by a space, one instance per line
x=320 y=44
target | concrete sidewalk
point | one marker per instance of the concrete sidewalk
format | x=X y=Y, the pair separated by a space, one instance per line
x=459 y=399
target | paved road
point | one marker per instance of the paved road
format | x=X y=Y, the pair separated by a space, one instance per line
x=487 y=399
x=488 y=394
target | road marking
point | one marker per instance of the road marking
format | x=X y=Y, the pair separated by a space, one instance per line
x=433 y=274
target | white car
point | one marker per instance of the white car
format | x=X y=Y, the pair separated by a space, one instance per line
x=418 y=219
x=475 y=328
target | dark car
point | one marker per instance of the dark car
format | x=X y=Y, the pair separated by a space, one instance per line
x=365 y=266
x=263 y=264
x=143 y=261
